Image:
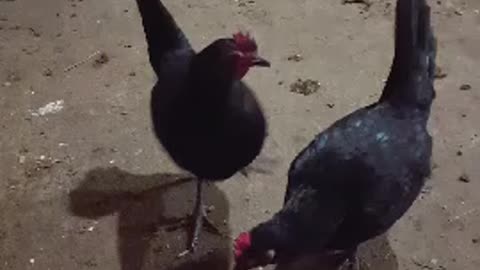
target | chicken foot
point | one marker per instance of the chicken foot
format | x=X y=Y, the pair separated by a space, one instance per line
x=199 y=218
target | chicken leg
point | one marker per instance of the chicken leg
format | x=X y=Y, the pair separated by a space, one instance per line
x=199 y=218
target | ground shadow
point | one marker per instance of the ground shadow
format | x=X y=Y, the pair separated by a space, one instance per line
x=149 y=208
x=377 y=254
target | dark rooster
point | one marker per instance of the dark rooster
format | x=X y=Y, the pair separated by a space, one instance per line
x=208 y=121
x=361 y=175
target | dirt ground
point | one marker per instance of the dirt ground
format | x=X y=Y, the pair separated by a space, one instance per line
x=85 y=185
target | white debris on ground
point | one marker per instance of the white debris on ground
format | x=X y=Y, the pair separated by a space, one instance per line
x=50 y=108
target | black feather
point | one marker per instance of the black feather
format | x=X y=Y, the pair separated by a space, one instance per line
x=210 y=123
x=359 y=176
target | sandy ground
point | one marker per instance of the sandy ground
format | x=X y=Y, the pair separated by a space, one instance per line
x=85 y=185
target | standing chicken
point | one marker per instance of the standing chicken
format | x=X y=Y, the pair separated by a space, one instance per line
x=208 y=121
x=361 y=175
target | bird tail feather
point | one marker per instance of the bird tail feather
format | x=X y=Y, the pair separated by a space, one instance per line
x=162 y=33
x=413 y=70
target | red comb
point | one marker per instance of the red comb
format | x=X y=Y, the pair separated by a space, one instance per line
x=245 y=42
x=242 y=243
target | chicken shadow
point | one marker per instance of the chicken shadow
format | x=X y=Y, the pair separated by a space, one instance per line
x=377 y=254
x=150 y=209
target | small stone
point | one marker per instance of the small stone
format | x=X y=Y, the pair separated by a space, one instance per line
x=465 y=87
x=7 y=84
x=34 y=32
x=210 y=208
x=132 y=74
x=32 y=260
x=439 y=73
x=476 y=240
x=102 y=59
x=464 y=178
x=459 y=153
x=47 y=72
x=21 y=159
x=295 y=58
x=330 y=105
x=73 y=15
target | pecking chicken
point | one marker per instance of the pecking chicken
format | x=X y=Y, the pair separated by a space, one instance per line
x=360 y=175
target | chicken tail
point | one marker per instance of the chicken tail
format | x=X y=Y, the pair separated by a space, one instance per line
x=161 y=31
x=412 y=74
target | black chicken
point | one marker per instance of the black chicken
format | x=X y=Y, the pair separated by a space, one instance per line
x=359 y=176
x=208 y=121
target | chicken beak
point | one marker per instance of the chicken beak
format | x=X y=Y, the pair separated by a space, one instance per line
x=260 y=62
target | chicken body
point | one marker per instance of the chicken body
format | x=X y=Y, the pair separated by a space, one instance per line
x=206 y=118
x=360 y=175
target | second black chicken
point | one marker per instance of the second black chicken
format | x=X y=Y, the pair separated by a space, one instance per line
x=359 y=176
